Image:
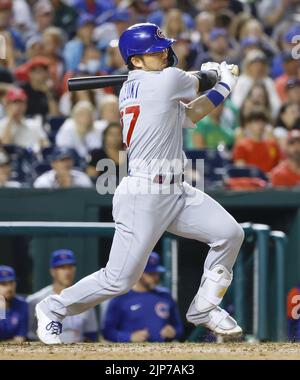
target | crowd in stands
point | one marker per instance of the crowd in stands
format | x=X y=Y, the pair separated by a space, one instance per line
x=50 y=137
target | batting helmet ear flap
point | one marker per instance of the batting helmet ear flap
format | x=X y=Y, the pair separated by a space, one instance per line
x=172 y=58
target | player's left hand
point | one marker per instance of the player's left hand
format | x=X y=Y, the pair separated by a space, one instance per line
x=168 y=332
x=207 y=66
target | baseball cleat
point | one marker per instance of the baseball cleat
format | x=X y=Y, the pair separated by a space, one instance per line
x=222 y=324
x=48 y=331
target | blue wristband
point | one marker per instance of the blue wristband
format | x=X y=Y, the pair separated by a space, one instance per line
x=218 y=93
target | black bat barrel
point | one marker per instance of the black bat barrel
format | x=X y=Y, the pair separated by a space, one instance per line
x=92 y=83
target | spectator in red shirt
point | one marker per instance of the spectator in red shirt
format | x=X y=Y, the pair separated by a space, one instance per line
x=287 y=173
x=255 y=149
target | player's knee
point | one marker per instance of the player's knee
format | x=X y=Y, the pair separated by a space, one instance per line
x=235 y=235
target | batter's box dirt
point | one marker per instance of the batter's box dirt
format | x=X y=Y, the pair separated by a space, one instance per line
x=148 y=351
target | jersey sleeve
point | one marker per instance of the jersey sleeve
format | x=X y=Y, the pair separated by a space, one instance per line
x=179 y=85
x=111 y=323
x=23 y=325
x=175 y=320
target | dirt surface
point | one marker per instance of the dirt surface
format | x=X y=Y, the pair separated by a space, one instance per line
x=188 y=351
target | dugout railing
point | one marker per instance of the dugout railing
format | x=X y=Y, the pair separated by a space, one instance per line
x=257 y=294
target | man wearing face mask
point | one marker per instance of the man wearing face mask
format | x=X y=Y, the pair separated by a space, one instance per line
x=90 y=62
x=287 y=173
x=146 y=313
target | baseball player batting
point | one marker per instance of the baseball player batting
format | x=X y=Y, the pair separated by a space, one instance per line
x=153 y=115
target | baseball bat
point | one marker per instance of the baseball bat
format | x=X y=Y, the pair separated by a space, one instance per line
x=92 y=83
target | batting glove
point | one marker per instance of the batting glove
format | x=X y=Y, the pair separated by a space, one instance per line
x=214 y=66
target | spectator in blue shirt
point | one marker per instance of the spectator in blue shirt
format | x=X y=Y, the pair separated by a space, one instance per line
x=14 y=325
x=146 y=313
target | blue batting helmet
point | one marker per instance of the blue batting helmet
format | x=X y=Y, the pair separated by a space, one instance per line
x=145 y=38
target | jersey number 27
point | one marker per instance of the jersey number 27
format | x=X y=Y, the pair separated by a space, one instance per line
x=134 y=111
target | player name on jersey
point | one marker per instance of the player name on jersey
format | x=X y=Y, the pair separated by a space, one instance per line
x=130 y=91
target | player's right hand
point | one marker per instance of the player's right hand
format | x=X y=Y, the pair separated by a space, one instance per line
x=227 y=76
x=139 y=336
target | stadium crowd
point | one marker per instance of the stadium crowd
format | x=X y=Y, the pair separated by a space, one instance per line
x=53 y=138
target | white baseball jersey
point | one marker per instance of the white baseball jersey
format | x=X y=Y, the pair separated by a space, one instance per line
x=153 y=115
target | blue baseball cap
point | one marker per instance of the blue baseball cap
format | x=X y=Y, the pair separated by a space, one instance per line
x=84 y=19
x=153 y=264
x=61 y=153
x=62 y=257
x=292 y=31
x=7 y=273
x=217 y=32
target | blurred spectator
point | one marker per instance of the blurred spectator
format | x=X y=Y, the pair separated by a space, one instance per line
x=291 y=70
x=64 y=17
x=205 y=22
x=5 y=172
x=217 y=6
x=293 y=322
x=211 y=132
x=109 y=108
x=22 y=17
x=146 y=313
x=219 y=49
x=81 y=132
x=52 y=41
x=293 y=90
x=74 y=49
x=173 y=24
x=111 y=26
x=90 y=62
x=254 y=149
x=257 y=97
x=288 y=119
x=285 y=43
x=43 y=16
x=255 y=69
x=14 y=42
x=34 y=46
x=14 y=326
x=15 y=128
x=62 y=174
x=112 y=145
x=158 y=16
x=274 y=12
x=76 y=328
x=40 y=89
x=92 y=7
x=287 y=172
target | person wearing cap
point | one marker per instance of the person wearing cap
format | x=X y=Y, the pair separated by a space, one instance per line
x=146 y=314
x=293 y=90
x=40 y=88
x=255 y=149
x=287 y=172
x=62 y=174
x=76 y=328
x=92 y=7
x=291 y=70
x=255 y=69
x=73 y=50
x=14 y=326
x=43 y=15
x=81 y=132
x=15 y=129
x=5 y=171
